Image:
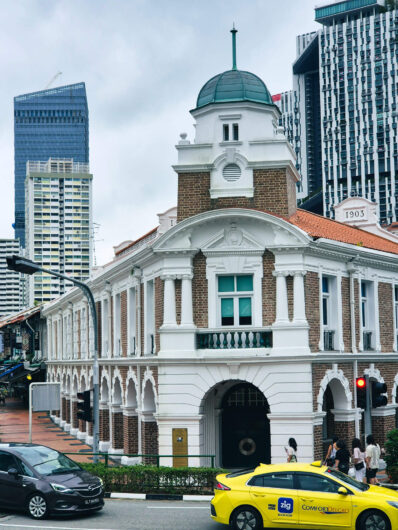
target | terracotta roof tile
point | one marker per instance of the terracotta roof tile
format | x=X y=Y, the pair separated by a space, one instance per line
x=318 y=226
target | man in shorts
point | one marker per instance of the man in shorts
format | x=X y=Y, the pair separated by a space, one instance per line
x=372 y=459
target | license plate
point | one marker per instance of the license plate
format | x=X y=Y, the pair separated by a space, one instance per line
x=91 y=501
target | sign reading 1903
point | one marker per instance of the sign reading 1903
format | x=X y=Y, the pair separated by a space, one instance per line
x=354 y=214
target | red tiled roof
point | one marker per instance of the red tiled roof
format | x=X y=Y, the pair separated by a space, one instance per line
x=318 y=226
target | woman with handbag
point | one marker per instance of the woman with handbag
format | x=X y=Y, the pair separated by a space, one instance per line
x=358 y=459
x=331 y=453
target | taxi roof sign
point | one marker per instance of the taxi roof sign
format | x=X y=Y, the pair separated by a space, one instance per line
x=317 y=463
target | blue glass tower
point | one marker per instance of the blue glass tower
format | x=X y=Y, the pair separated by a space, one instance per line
x=51 y=123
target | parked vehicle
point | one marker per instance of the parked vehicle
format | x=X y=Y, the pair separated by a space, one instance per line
x=301 y=496
x=42 y=481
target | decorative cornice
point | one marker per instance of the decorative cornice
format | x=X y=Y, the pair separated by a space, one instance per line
x=193 y=168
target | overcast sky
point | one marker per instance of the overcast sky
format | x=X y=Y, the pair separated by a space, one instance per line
x=143 y=62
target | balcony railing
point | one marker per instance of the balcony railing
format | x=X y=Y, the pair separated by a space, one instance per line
x=234 y=339
x=328 y=340
x=367 y=340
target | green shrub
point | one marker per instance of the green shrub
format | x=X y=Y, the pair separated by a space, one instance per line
x=391 y=447
x=152 y=479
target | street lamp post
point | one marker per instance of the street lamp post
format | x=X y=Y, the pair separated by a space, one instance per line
x=27 y=266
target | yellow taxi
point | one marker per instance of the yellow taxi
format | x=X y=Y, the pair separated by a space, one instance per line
x=306 y=496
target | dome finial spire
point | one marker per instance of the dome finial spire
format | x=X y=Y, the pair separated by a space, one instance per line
x=234 y=32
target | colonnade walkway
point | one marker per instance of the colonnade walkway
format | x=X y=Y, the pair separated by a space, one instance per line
x=14 y=427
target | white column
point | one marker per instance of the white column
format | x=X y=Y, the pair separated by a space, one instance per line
x=321 y=341
x=376 y=312
x=299 y=297
x=282 y=310
x=169 y=301
x=186 y=301
x=360 y=345
x=340 y=333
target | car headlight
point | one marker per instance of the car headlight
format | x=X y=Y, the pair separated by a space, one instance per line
x=59 y=488
x=101 y=482
x=393 y=503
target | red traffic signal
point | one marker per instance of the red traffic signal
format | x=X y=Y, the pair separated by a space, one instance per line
x=361 y=382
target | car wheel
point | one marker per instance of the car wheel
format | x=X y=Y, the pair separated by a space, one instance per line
x=37 y=506
x=246 y=518
x=374 y=520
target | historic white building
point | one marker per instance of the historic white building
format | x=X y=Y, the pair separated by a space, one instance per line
x=240 y=321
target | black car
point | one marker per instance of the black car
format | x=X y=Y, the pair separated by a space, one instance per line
x=43 y=481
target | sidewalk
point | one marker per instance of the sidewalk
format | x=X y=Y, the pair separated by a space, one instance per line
x=14 y=427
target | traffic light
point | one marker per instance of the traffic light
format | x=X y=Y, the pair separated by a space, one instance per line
x=361 y=392
x=84 y=405
x=378 y=389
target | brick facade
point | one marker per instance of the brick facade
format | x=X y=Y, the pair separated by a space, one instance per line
x=130 y=435
x=199 y=291
x=104 y=425
x=150 y=443
x=386 y=310
x=318 y=443
x=312 y=308
x=345 y=302
x=274 y=191
x=269 y=289
x=74 y=420
x=117 y=430
x=381 y=425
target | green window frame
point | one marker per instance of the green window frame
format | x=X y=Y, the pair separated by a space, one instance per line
x=235 y=299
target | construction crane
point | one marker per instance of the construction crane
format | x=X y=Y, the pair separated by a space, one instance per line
x=52 y=80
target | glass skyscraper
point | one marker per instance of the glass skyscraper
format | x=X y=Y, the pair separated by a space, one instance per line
x=51 y=123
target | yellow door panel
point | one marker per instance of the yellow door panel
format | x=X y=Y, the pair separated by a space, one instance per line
x=330 y=510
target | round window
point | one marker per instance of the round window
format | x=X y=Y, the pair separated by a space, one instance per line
x=231 y=172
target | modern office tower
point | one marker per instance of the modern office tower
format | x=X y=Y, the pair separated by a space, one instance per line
x=350 y=144
x=358 y=79
x=51 y=123
x=11 y=295
x=58 y=224
x=300 y=109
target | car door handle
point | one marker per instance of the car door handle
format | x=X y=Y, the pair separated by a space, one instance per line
x=259 y=494
x=307 y=500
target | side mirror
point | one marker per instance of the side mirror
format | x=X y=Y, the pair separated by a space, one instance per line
x=342 y=491
x=12 y=471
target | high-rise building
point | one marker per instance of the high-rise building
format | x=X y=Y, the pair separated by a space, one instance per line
x=300 y=118
x=51 y=123
x=11 y=294
x=58 y=224
x=349 y=144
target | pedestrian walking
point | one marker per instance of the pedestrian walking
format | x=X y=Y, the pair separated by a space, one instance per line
x=358 y=459
x=372 y=459
x=291 y=450
x=342 y=457
x=330 y=457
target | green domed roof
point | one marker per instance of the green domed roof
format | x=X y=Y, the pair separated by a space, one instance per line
x=234 y=85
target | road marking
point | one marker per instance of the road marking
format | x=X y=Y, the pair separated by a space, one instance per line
x=178 y=507
x=41 y=527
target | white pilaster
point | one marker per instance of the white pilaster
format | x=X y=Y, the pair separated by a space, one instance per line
x=186 y=301
x=340 y=337
x=169 y=302
x=376 y=312
x=282 y=309
x=299 y=297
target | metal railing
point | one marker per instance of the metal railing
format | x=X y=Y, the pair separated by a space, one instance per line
x=233 y=339
x=328 y=340
x=106 y=456
x=367 y=340
x=57 y=165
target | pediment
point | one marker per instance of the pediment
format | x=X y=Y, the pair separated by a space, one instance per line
x=230 y=239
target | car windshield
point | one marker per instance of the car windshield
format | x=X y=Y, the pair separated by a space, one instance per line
x=47 y=461
x=347 y=480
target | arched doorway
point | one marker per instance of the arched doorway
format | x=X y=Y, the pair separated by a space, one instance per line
x=328 y=427
x=245 y=430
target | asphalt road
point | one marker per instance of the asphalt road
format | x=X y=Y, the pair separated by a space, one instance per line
x=125 y=515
